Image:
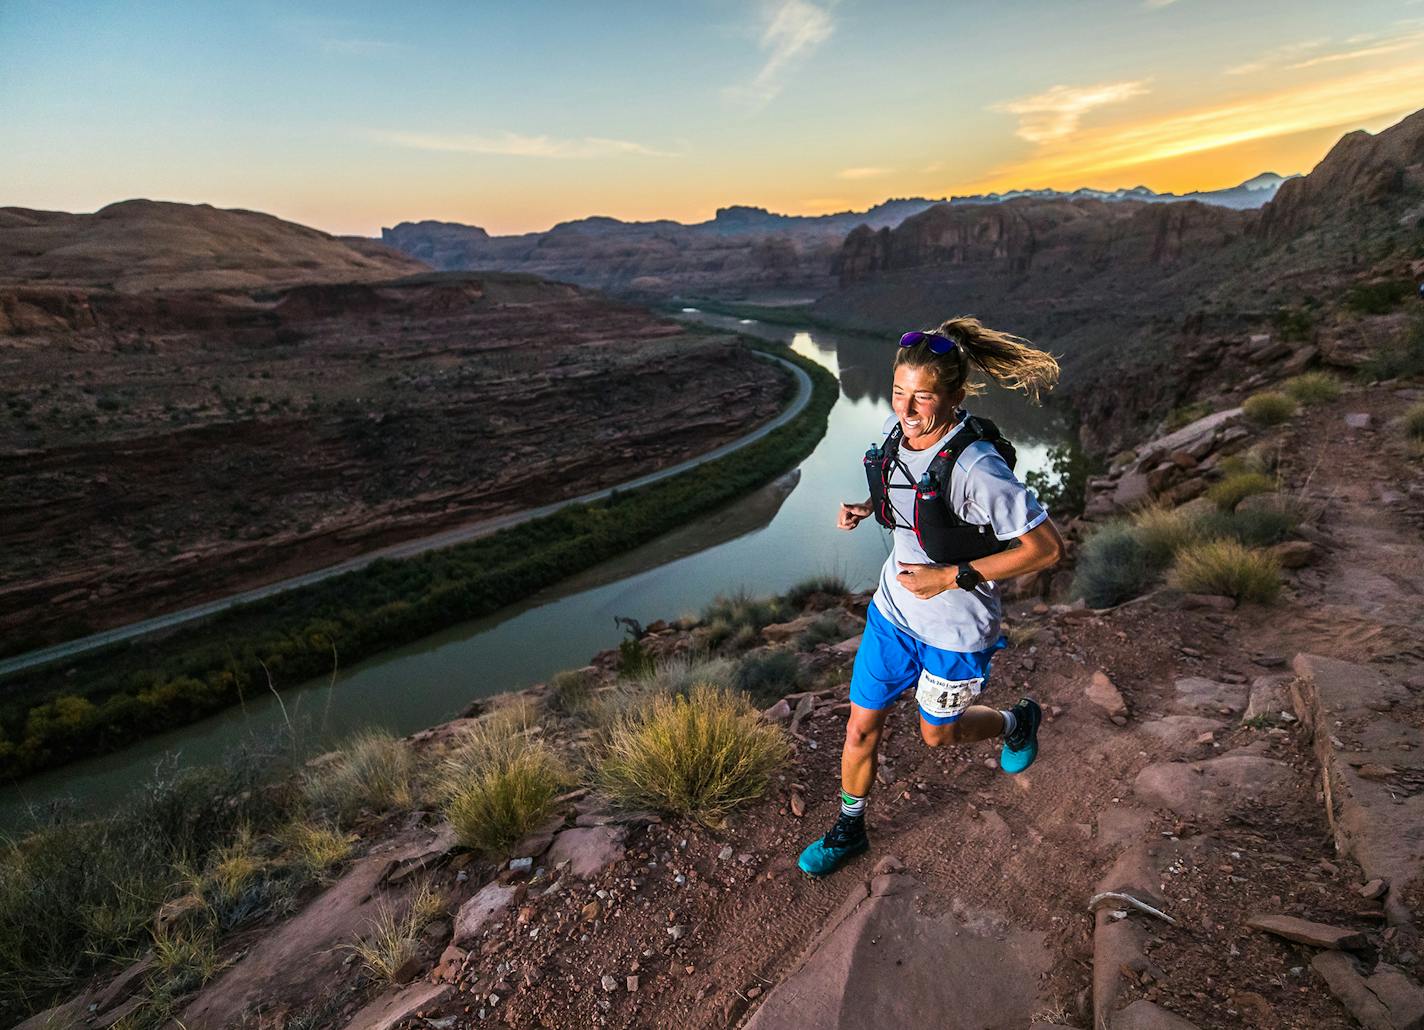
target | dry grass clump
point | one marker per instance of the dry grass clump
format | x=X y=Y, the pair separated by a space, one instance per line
x=315 y=849
x=1163 y=531
x=1413 y=423
x=699 y=755
x=373 y=770
x=571 y=692
x=734 y=622
x=394 y=936
x=1231 y=491
x=498 y=783
x=1227 y=567
x=1268 y=408
x=833 y=583
x=1312 y=387
x=767 y=676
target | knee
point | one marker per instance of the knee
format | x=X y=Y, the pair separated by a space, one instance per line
x=937 y=736
x=860 y=738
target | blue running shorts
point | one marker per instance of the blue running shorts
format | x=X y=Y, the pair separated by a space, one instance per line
x=890 y=662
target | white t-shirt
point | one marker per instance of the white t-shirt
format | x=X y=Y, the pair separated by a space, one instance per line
x=984 y=490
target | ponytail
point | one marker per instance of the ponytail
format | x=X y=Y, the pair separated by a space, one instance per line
x=1008 y=360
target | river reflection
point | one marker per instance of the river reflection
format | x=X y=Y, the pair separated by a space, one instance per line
x=764 y=543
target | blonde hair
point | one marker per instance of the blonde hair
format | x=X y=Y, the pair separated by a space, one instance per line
x=1009 y=360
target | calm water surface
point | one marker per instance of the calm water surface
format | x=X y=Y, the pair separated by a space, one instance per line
x=764 y=544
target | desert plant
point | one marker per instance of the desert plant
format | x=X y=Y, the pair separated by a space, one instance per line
x=768 y=676
x=1255 y=527
x=1185 y=415
x=1268 y=408
x=1113 y=567
x=824 y=629
x=373 y=770
x=1312 y=387
x=1163 y=531
x=315 y=849
x=740 y=612
x=186 y=957
x=498 y=785
x=700 y=755
x=1413 y=422
x=1227 y=493
x=1227 y=567
x=829 y=583
x=393 y=937
x=1400 y=357
x=570 y=692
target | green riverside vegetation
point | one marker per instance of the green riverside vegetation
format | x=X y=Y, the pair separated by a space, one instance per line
x=48 y=717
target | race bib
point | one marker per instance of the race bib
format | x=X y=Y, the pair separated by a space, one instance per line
x=943 y=698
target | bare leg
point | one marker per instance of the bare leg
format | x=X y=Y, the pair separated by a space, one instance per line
x=979 y=722
x=862 y=740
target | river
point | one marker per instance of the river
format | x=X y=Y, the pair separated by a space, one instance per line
x=764 y=543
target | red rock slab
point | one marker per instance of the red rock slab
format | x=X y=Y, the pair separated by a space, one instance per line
x=880 y=963
x=1211 y=788
x=1385 y=1000
x=1360 y=718
x=1303 y=931
x=1144 y=1015
x=388 y=1010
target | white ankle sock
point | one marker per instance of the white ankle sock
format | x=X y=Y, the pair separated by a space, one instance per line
x=852 y=805
x=1010 y=723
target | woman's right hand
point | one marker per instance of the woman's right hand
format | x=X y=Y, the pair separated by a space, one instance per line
x=852 y=514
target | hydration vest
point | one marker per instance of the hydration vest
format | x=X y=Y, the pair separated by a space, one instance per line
x=943 y=535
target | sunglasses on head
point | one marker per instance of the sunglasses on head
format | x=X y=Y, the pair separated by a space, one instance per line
x=937 y=344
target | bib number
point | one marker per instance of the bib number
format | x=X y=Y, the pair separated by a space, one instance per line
x=942 y=698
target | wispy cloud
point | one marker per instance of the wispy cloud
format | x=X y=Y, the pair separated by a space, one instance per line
x=1318 y=105
x=359 y=47
x=862 y=173
x=1056 y=113
x=512 y=144
x=1158 y=3
x=1314 y=52
x=792 y=31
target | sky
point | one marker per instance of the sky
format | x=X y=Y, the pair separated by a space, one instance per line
x=516 y=116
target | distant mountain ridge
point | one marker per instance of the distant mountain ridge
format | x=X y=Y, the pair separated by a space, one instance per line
x=740 y=250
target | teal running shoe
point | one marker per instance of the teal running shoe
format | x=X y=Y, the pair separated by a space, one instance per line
x=1021 y=746
x=845 y=840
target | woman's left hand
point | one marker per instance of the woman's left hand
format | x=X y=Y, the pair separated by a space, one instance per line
x=925 y=581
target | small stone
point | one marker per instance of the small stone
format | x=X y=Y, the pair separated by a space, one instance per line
x=725 y=853
x=1374 y=890
x=591 y=911
x=798 y=805
x=677 y=932
x=1206 y=738
x=1371 y=771
x=632 y=984
x=610 y=983
x=753 y=992
x=521 y=865
x=1303 y=931
x=1102 y=692
x=1359 y=420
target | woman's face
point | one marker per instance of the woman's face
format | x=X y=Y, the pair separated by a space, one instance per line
x=924 y=411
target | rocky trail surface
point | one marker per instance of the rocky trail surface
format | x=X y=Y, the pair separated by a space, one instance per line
x=1224 y=829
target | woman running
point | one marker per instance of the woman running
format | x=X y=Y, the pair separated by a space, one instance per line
x=961 y=522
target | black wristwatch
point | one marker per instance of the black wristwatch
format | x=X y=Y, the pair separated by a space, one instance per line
x=967 y=578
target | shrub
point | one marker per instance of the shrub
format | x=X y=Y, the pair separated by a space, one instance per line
x=768 y=676
x=497 y=786
x=1255 y=527
x=700 y=755
x=1185 y=415
x=571 y=692
x=373 y=770
x=1232 y=490
x=1313 y=387
x=1268 y=408
x=314 y=849
x=1162 y=532
x=1113 y=567
x=1413 y=422
x=735 y=617
x=392 y=939
x=823 y=630
x=1378 y=298
x=1227 y=567
x=1400 y=357
x=830 y=583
